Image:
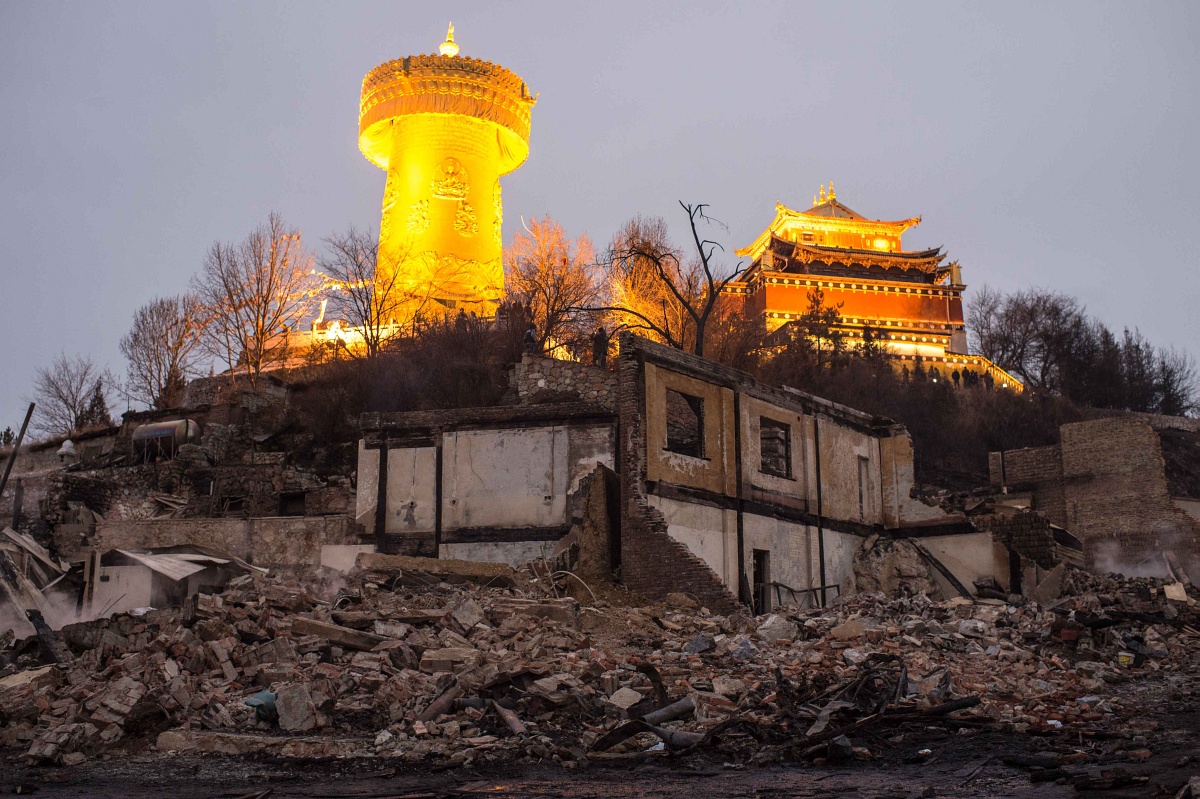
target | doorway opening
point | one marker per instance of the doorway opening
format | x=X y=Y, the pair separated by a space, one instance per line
x=762 y=581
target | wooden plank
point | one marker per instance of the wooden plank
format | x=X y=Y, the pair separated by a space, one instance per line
x=336 y=634
x=445 y=569
x=12 y=456
x=416 y=616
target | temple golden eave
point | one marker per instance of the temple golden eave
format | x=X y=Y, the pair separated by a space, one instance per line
x=833 y=220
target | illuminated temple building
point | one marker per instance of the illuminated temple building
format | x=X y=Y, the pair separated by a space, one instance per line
x=912 y=299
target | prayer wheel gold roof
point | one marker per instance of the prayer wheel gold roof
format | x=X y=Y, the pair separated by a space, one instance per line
x=445 y=84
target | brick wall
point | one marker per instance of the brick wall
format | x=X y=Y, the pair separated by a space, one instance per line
x=95 y=492
x=1028 y=534
x=595 y=524
x=1117 y=498
x=538 y=378
x=1106 y=483
x=1160 y=422
x=1038 y=470
x=652 y=562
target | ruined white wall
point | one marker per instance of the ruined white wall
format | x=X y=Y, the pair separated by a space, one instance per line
x=752 y=412
x=411 y=472
x=899 y=507
x=504 y=478
x=513 y=553
x=367 y=493
x=126 y=588
x=841 y=447
x=1189 y=506
x=709 y=533
x=969 y=557
x=794 y=554
x=715 y=471
x=342 y=557
x=590 y=445
x=839 y=561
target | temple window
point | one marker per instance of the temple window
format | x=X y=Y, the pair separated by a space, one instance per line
x=685 y=424
x=774 y=447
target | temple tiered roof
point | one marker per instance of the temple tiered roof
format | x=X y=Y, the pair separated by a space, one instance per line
x=829 y=223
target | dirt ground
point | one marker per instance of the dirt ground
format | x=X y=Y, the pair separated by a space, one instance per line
x=961 y=765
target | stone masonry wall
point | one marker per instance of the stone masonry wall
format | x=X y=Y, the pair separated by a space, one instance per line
x=652 y=562
x=280 y=542
x=538 y=378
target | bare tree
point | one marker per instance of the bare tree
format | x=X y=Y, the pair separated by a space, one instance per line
x=367 y=291
x=655 y=290
x=252 y=294
x=556 y=277
x=1032 y=333
x=1179 y=387
x=1049 y=341
x=161 y=349
x=66 y=392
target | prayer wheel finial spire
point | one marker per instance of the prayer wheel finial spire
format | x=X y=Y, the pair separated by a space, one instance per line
x=448 y=47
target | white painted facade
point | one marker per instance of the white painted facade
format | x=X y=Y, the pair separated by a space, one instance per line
x=498 y=479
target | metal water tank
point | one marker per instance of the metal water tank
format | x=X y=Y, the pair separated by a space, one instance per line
x=163 y=439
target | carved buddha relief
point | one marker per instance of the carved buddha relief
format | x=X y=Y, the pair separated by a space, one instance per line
x=464 y=219
x=418 y=217
x=451 y=182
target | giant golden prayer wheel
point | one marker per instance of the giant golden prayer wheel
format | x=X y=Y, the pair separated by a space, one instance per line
x=445 y=128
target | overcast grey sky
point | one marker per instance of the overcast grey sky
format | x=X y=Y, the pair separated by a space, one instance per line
x=1049 y=144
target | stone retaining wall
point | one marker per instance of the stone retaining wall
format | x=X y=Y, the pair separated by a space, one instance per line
x=538 y=378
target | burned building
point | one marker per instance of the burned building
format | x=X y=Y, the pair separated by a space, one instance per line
x=724 y=488
x=490 y=484
x=1126 y=486
x=216 y=472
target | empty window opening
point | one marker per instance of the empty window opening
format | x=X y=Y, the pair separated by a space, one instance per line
x=685 y=424
x=291 y=503
x=233 y=506
x=774 y=447
x=862 y=488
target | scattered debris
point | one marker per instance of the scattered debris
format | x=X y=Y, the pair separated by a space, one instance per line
x=459 y=673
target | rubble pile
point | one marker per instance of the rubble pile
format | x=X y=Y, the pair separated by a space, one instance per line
x=463 y=673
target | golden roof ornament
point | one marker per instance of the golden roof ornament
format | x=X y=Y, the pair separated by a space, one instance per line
x=832 y=195
x=448 y=47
